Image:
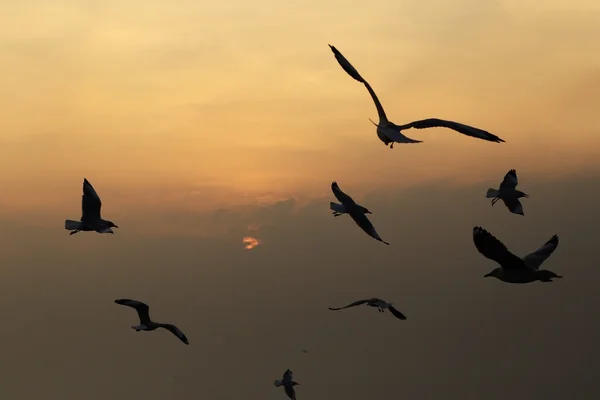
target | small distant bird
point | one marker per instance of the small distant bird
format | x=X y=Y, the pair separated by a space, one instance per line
x=288 y=384
x=390 y=133
x=90 y=217
x=375 y=302
x=514 y=269
x=146 y=324
x=355 y=211
x=508 y=193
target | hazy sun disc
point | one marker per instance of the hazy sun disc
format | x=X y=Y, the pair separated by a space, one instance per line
x=250 y=242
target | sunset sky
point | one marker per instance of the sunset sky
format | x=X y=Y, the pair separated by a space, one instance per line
x=212 y=133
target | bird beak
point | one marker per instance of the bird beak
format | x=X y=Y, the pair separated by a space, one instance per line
x=486 y=275
x=525 y=195
x=369 y=212
x=495 y=200
x=373 y=122
x=116 y=226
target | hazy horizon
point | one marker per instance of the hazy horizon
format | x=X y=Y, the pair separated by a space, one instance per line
x=212 y=133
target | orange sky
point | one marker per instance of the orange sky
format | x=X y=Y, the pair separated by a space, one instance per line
x=209 y=105
x=205 y=125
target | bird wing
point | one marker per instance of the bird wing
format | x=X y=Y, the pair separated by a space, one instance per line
x=175 y=331
x=495 y=250
x=90 y=203
x=456 y=126
x=514 y=205
x=382 y=116
x=396 y=313
x=142 y=309
x=356 y=303
x=510 y=180
x=340 y=195
x=366 y=225
x=535 y=259
x=345 y=64
x=289 y=390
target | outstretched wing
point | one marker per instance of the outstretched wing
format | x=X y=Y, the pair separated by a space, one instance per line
x=356 y=303
x=535 y=259
x=345 y=64
x=514 y=205
x=380 y=112
x=366 y=225
x=175 y=331
x=142 y=309
x=341 y=196
x=291 y=393
x=396 y=313
x=90 y=203
x=510 y=180
x=456 y=126
x=495 y=250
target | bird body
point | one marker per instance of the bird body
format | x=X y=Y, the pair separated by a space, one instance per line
x=90 y=214
x=514 y=269
x=390 y=133
x=508 y=193
x=381 y=306
x=356 y=212
x=288 y=384
x=146 y=324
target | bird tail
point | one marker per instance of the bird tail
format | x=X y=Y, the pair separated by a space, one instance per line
x=339 y=208
x=278 y=382
x=73 y=225
x=492 y=193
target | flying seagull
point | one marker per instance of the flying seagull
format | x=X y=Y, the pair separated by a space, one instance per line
x=514 y=269
x=355 y=211
x=375 y=302
x=288 y=384
x=146 y=324
x=508 y=193
x=390 y=133
x=90 y=213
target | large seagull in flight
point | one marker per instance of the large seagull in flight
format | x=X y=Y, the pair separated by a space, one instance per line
x=390 y=133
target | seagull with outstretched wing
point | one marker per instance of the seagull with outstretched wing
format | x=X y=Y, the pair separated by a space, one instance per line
x=381 y=306
x=514 y=269
x=288 y=384
x=390 y=133
x=90 y=213
x=356 y=212
x=146 y=324
x=508 y=193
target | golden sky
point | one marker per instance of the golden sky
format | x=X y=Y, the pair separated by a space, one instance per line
x=206 y=105
x=208 y=127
